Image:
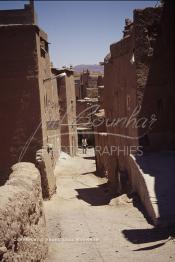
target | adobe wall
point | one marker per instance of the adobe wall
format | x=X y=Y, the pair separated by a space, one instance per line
x=92 y=92
x=22 y=222
x=84 y=83
x=81 y=111
x=63 y=112
x=100 y=80
x=139 y=185
x=71 y=110
x=120 y=86
x=77 y=81
x=54 y=132
x=48 y=99
x=29 y=115
x=48 y=179
x=139 y=71
x=85 y=109
x=101 y=154
x=119 y=102
x=154 y=53
x=67 y=102
x=90 y=81
x=19 y=101
x=18 y=16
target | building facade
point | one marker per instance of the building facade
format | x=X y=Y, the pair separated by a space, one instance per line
x=67 y=109
x=139 y=102
x=28 y=108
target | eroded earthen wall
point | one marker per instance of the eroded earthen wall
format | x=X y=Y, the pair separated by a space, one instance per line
x=71 y=110
x=20 y=115
x=22 y=223
x=67 y=102
x=154 y=54
x=119 y=103
x=139 y=72
x=48 y=99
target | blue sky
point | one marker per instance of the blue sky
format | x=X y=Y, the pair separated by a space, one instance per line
x=80 y=32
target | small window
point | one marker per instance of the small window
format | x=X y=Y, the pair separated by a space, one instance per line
x=44 y=47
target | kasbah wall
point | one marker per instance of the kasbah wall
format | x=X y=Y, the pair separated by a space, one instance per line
x=67 y=109
x=21 y=216
x=24 y=64
x=139 y=72
x=88 y=91
x=30 y=132
x=27 y=96
x=87 y=84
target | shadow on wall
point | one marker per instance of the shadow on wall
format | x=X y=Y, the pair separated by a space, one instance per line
x=96 y=196
x=161 y=166
x=159 y=98
x=159 y=92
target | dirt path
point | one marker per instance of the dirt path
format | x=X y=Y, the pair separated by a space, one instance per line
x=85 y=224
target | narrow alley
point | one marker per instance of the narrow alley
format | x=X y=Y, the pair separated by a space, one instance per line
x=86 y=223
x=87 y=159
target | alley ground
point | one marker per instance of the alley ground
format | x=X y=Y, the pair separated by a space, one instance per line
x=86 y=224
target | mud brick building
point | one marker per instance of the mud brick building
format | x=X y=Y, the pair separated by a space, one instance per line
x=28 y=102
x=87 y=83
x=19 y=16
x=67 y=109
x=86 y=110
x=139 y=84
x=88 y=103
x=84 y=83
x=77 y=85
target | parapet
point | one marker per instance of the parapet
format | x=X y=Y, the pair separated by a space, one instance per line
x=19 y=16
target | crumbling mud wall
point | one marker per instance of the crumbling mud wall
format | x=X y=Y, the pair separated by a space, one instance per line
x=22 y=222
x=139 y=89
x=154 y=61
x=48 y=179
x=119 y=102
x=50 y=118
x=135 y=79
